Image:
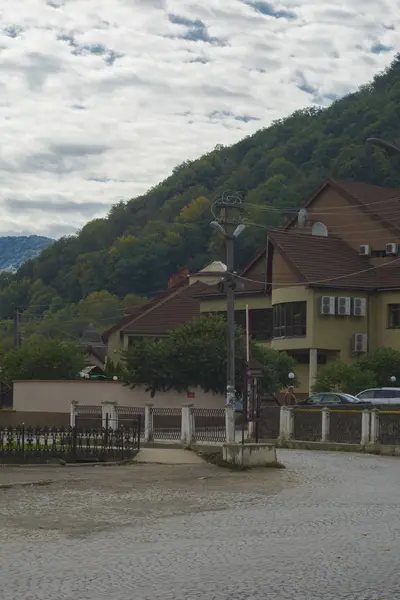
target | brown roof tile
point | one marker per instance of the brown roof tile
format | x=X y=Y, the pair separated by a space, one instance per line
x=172 y=312
x=326 y=261
x=135 y=312
x=381 y=202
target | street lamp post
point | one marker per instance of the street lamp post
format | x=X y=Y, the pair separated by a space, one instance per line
x=230 y=232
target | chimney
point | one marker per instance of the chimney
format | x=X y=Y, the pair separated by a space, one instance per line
x=177 y=278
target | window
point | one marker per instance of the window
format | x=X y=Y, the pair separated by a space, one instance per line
x=316 y=399
x=290 y=319
x=394 y=316
x=331 y=399
x=367 y=395
x=260 y=322
x=134 y=339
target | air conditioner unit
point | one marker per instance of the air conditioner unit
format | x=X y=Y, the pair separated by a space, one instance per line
x=343 y=306
x=359 y=342
x=365 y=250
x=391 y=249
x=359 y=307
x=327 y=305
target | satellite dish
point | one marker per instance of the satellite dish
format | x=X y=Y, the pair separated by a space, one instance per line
x=319 y=229
x=302 y=217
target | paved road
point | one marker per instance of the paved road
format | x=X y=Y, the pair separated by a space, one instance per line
x=326 y=527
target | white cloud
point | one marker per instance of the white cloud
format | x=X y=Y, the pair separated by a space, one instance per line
x=99 y=100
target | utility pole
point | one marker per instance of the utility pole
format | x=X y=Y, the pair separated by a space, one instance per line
x=231 y=230
x=17 y=335
x=230 y=306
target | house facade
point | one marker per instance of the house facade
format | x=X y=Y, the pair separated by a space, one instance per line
x=330 y=290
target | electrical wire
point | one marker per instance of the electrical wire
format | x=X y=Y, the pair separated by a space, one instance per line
x=328 y=210
x=327 y=280
x=294 y=231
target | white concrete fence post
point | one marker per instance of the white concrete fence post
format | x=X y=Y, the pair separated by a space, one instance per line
x=374 y=426
x=148 y=422
x=72 y=414
x=110 y=409
x=325 y=415
x=283 y=424
x=290 y=423
x=230 y=423
x=187 y=424
x=365 y=427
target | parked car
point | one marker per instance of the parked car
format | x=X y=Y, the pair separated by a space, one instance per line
x=331 y=398
x=389 y=395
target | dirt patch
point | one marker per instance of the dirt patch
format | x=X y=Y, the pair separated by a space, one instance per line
x=78 y=503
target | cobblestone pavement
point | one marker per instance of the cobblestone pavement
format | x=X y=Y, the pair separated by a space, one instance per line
x=327 y=528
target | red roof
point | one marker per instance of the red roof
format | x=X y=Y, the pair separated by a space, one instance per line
x=330 y=262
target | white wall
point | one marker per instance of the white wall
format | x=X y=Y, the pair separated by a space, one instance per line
x=56 y=396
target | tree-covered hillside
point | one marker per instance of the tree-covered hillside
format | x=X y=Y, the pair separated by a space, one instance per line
x=143 y=241
x=16 y=250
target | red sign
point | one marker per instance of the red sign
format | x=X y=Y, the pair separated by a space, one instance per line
x=191 y=395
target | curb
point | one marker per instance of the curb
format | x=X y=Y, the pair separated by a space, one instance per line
x=40 y=482
x=58 y=465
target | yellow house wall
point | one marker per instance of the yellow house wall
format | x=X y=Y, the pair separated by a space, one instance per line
x=384 y=336
x=114 y=347
x=219 y=304
x=302 y=378
x=335 y=332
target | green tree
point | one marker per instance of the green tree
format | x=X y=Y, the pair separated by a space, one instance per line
x=342 y=377
x=384 y=363
x=49 y=359
x=194 y=355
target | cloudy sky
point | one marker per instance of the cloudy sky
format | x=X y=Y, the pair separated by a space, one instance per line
x=100 y=99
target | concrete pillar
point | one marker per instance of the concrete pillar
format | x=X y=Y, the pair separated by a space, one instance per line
x=312 y=368
x=283 y=424
x=325 y=424
x=374 y=426
x=148 y=422
x=365 y=427
x=110 y=409
x=187 y=424
x=230 y=423
x=72 y=414
x=290 y=423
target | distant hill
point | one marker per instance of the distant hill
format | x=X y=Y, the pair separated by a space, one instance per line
x=15 y=250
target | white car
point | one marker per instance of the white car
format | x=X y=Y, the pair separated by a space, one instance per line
x=385 y=395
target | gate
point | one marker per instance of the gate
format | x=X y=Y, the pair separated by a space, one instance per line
x=209 y=424
x=167 y=423
x=88 y=416
x=130 y=416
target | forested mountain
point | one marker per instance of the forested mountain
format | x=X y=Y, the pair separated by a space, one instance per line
x=15 y=250
x=143 y=241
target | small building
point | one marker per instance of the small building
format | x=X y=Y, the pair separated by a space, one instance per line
x=164 y=313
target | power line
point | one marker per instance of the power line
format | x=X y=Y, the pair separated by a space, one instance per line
x=329 y=279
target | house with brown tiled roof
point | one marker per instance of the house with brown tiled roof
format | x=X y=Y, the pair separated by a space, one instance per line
x=330 y=290
x=164 y=313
